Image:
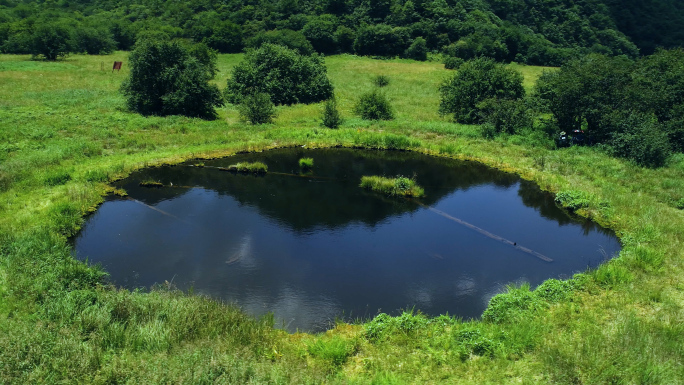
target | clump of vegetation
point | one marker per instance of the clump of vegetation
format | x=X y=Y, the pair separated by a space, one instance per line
x=50 y=41
x=399 y=186
x=257 y=108
x=57 y=178
x=573 y=199
x=504 y=116
x=306 y=163
x=151 y=183
x=331 y=115
x=287 y=76
x=476 y=81
x=166 y=79
x=453 y=62
x=418 y=50
x=335 y=350
x=381 y=80
x=249 y=167
x=374 y=105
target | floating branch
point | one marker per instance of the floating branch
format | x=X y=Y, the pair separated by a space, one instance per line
x=486 y=233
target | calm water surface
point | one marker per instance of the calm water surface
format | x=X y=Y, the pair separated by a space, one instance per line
x=312 y=247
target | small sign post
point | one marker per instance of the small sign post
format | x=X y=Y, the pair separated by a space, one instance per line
x=117 y=66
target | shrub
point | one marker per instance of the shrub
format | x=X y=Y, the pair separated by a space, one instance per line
x=374 y=106
x=506 y=307
x=640 y=138
x=51 y=41
x=417 y=50
x=257 y=109
x=285 y=75
x=331 y=116
x=476 y=81
x=381 y=80
x=452 y=62
x=166 y=79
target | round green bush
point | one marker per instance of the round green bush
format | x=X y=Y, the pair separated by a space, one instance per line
x=374 y=106
x=285 y=75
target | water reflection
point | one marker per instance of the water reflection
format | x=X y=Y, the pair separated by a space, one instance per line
x=315 y=247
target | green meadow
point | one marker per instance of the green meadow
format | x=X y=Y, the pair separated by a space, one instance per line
x=65 y=133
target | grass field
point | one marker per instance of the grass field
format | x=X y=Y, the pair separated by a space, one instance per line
x=64 y=133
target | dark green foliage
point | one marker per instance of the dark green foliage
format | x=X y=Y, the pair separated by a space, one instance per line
x=285 y=75
x=452 y=62
x=381 y=40
x=291 y=39
x=381 y=80
x=57 y=178
x=584 y=91
x=320 y=31
x=50 y=41
x=257 y=108
x=225 y=37
x=417 y=50
x=476 y=81
x=374 y=105
x=93 y=41
x=554 y=290
x=508 y=116
x=639 y=138
x=165 y=79
x=331 y=115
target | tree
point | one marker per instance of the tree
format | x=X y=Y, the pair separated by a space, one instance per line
x=374 y=105
x=165 y=79
x=285 y=75
x=381 y=40
x=93 y=41
x=51 y=41
x=584 y=92
x=320 y=31
x=291 y=39
x=476 y=81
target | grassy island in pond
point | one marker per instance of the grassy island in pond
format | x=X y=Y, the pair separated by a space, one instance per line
x=399 y=186
x=246 y=167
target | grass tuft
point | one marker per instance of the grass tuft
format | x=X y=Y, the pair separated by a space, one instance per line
x=249 y=168
x=306 y=163
x=399 y=186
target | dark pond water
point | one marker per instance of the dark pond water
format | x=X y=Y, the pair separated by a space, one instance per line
x=315 y=247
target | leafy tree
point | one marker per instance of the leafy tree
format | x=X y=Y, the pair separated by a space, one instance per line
x=93 y=41
x=51 y=41
x=285 y=75
x=638 y=137
x=476 y=81
x=584 y=92
x=165 y=79
x=225 y=37
x=320 y=32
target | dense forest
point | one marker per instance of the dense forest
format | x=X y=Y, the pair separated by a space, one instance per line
x=527 y=31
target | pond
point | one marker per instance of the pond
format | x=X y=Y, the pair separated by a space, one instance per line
x=313 y=246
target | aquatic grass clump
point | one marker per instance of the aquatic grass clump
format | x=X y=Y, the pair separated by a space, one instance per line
x=249 y=167
x=150 y=183
x=306 y=163
x=399 y=186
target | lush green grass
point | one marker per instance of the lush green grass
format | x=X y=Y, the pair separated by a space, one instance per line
x=249 y=167
x=64 y=133
x=306 y=163
x=399 y=186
